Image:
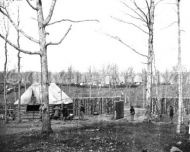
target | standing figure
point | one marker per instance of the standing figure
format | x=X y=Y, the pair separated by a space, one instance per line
x=65 y=112
x=56 y=113
x=171 y=114
x=82 y=111
x=132 y=112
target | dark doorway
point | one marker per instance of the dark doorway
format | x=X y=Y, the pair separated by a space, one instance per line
x=33 y=108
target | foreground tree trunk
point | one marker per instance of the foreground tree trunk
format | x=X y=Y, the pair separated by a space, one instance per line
x=18 y=56
x=19 y=93
x=180 y=100
x=5 y=79
x=46 y=124
x=150 y=57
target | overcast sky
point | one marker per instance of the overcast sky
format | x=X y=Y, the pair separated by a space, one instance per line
x=87 y=45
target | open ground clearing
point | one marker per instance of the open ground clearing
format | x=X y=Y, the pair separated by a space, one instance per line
x=96 y=133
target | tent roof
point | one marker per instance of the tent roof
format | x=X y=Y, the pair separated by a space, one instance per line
x=56 y=95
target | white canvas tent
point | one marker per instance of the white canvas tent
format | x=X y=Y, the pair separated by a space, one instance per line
x=56 y=95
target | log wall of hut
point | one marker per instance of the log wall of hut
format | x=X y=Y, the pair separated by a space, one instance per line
x=98 y=105
x=28 y=112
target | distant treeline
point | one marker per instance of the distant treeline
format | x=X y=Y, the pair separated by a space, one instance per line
x=109 y=76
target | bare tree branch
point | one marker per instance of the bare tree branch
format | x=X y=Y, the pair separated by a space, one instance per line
x=73 y=21
x=142 y=12
x=171 y=24
x=19 y=49
x=158 y=2
x=31 y=5
x=132 y=49
x=148 y=7
x=16 y=27
x=144 y=62
x=171 y=3
x=130 y=24
x=61 y=40
x=33 y=18
x=47 y=20
x=137 y=18
x=133 y=10
x=6 y=26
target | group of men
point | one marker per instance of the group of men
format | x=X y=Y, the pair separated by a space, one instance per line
x=64 y=113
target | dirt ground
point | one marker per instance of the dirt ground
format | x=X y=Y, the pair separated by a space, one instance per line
x=96 y=133
x=12 y=127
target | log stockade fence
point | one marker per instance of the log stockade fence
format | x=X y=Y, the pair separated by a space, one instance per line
x=99 y=105
x=165 y=102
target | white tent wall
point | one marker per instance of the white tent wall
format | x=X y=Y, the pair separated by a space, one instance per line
x=56 y=95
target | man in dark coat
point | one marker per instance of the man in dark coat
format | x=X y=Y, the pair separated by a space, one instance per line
x=82 y=111
x=132 y=112
x=65 y=112
x=171 y=114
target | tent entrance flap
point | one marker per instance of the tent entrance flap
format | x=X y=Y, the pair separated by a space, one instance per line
x=33 y=108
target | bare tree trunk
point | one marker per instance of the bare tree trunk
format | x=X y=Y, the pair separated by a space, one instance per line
x=90 y=81
x=147 y=19
x=143 y=96
x=46 y=124
x=24 y=85
x=110 y=87
x=19 y=93
x=5 y=79
x=150 y=57
x=15 y=94
x=18 y=55
x=180 y=100
x=90 y=92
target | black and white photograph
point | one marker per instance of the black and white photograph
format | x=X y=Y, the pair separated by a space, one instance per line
x=94 y=76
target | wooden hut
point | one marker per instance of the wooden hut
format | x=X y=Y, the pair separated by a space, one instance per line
x=31 y=100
